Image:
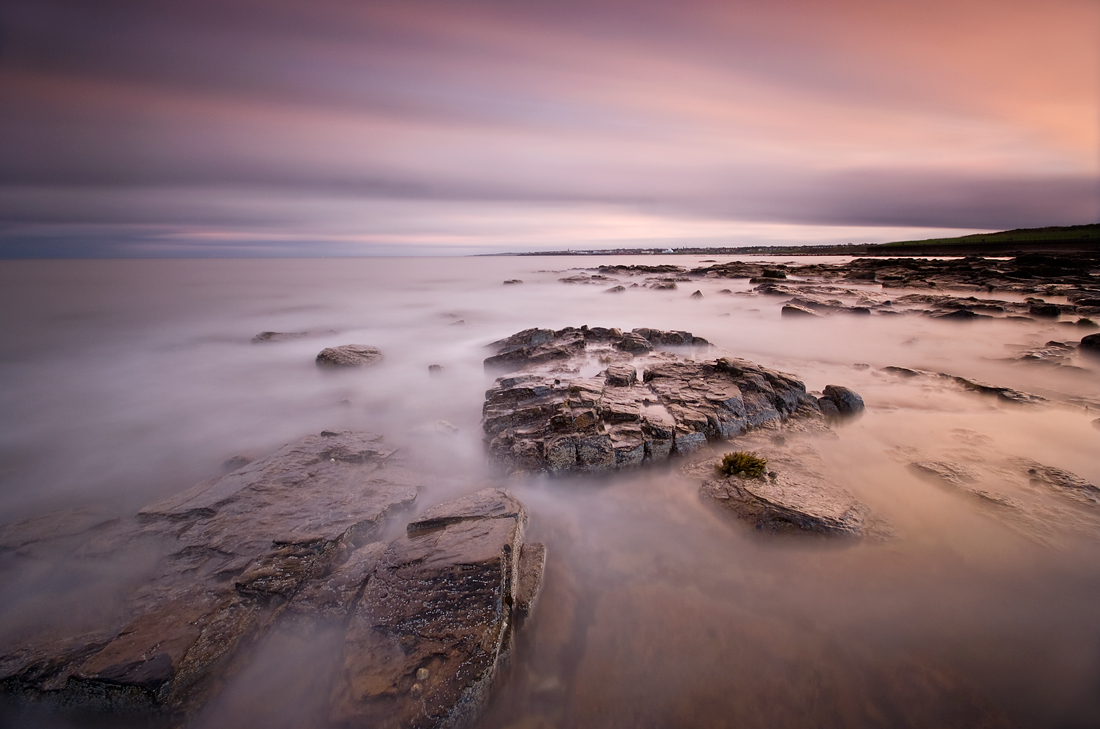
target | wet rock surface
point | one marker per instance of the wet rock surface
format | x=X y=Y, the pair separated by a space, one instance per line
x=946 y=288
x=349 y=355
x=1040 y=502
x=793 y=496
x=1005 y=394
x=594 y=399
x=264 y=337
x=434 y=623
x=1090 y=345
x=293 y=538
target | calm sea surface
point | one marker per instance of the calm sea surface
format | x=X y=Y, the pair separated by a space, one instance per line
x=124 y=381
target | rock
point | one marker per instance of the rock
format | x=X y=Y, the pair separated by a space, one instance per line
x=1040 y=519
x=277 y=336
x=1090 y=345
x=434 y=624
x=796 y=310
x=1052 y=353
x=1096 y=423
x=773 y=273
x=532 y=564
x=664 y=268
x=1044 y=310
x=634 y=342
x=792 y=497
x=615 y=290
x=292 y=540
x=239 y=548
x=1003 y=393
x=263 y=337
x=559 y=422
x=55 y=525
x=697 y=295
x=665 y=285
x=621 y=375
x=232 y=464
x=846 y=402
x=904 y=371
x=1058 y=479
x=787 y=504
x=533 y=346
x=961 y=315
x=349 y=355
x=435 y=369
x=513 y=281
x=952 y=474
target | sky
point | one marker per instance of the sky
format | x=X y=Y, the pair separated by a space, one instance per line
x=426 y=127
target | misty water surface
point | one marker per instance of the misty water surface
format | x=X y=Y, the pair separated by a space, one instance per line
x=122 y=382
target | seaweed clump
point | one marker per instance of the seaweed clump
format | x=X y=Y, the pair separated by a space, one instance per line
x=744 y=464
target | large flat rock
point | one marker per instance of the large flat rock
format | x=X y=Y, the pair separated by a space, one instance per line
x=288 y=540
x=238 y=548
x=435 y=619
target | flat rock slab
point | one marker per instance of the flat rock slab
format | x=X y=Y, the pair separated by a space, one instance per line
x=793 y=496
x=1037 y=501
x=349 y=355
x=435 y=619
x=287 y=540
x=238 y=548
x=581 y=406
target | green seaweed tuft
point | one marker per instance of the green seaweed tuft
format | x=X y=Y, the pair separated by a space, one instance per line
x=744 y=463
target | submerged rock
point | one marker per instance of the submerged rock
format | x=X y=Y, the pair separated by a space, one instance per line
x=264 y=337
x=293 y=538
x=1058 y=479
x=559 y=421
x=1023 y=499
x=349 y=355
x=277 y=336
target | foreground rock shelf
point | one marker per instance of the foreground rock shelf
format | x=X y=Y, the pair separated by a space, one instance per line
x=580 y=405
x=290 y=539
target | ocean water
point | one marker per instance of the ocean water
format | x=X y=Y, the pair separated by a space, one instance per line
x=122 y=382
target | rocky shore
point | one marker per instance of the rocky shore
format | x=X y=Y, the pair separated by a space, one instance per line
x=944 y=288
x=295 y=538
x=329 y=534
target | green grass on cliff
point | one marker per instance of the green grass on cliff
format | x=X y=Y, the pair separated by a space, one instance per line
x=1022 y=235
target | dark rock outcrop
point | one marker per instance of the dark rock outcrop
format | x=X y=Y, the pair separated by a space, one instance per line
x=349 y=355
x=1090 y=345
x=840 y=402
x=538 y=346
x=796 y=310
x=435 y=620
x=552 y=419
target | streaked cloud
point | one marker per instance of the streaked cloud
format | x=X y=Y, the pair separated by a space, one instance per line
x=321 y=125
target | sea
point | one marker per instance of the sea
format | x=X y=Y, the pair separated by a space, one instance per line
x=125 y=381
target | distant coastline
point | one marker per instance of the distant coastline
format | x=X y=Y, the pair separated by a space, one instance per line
x=1061 y=239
